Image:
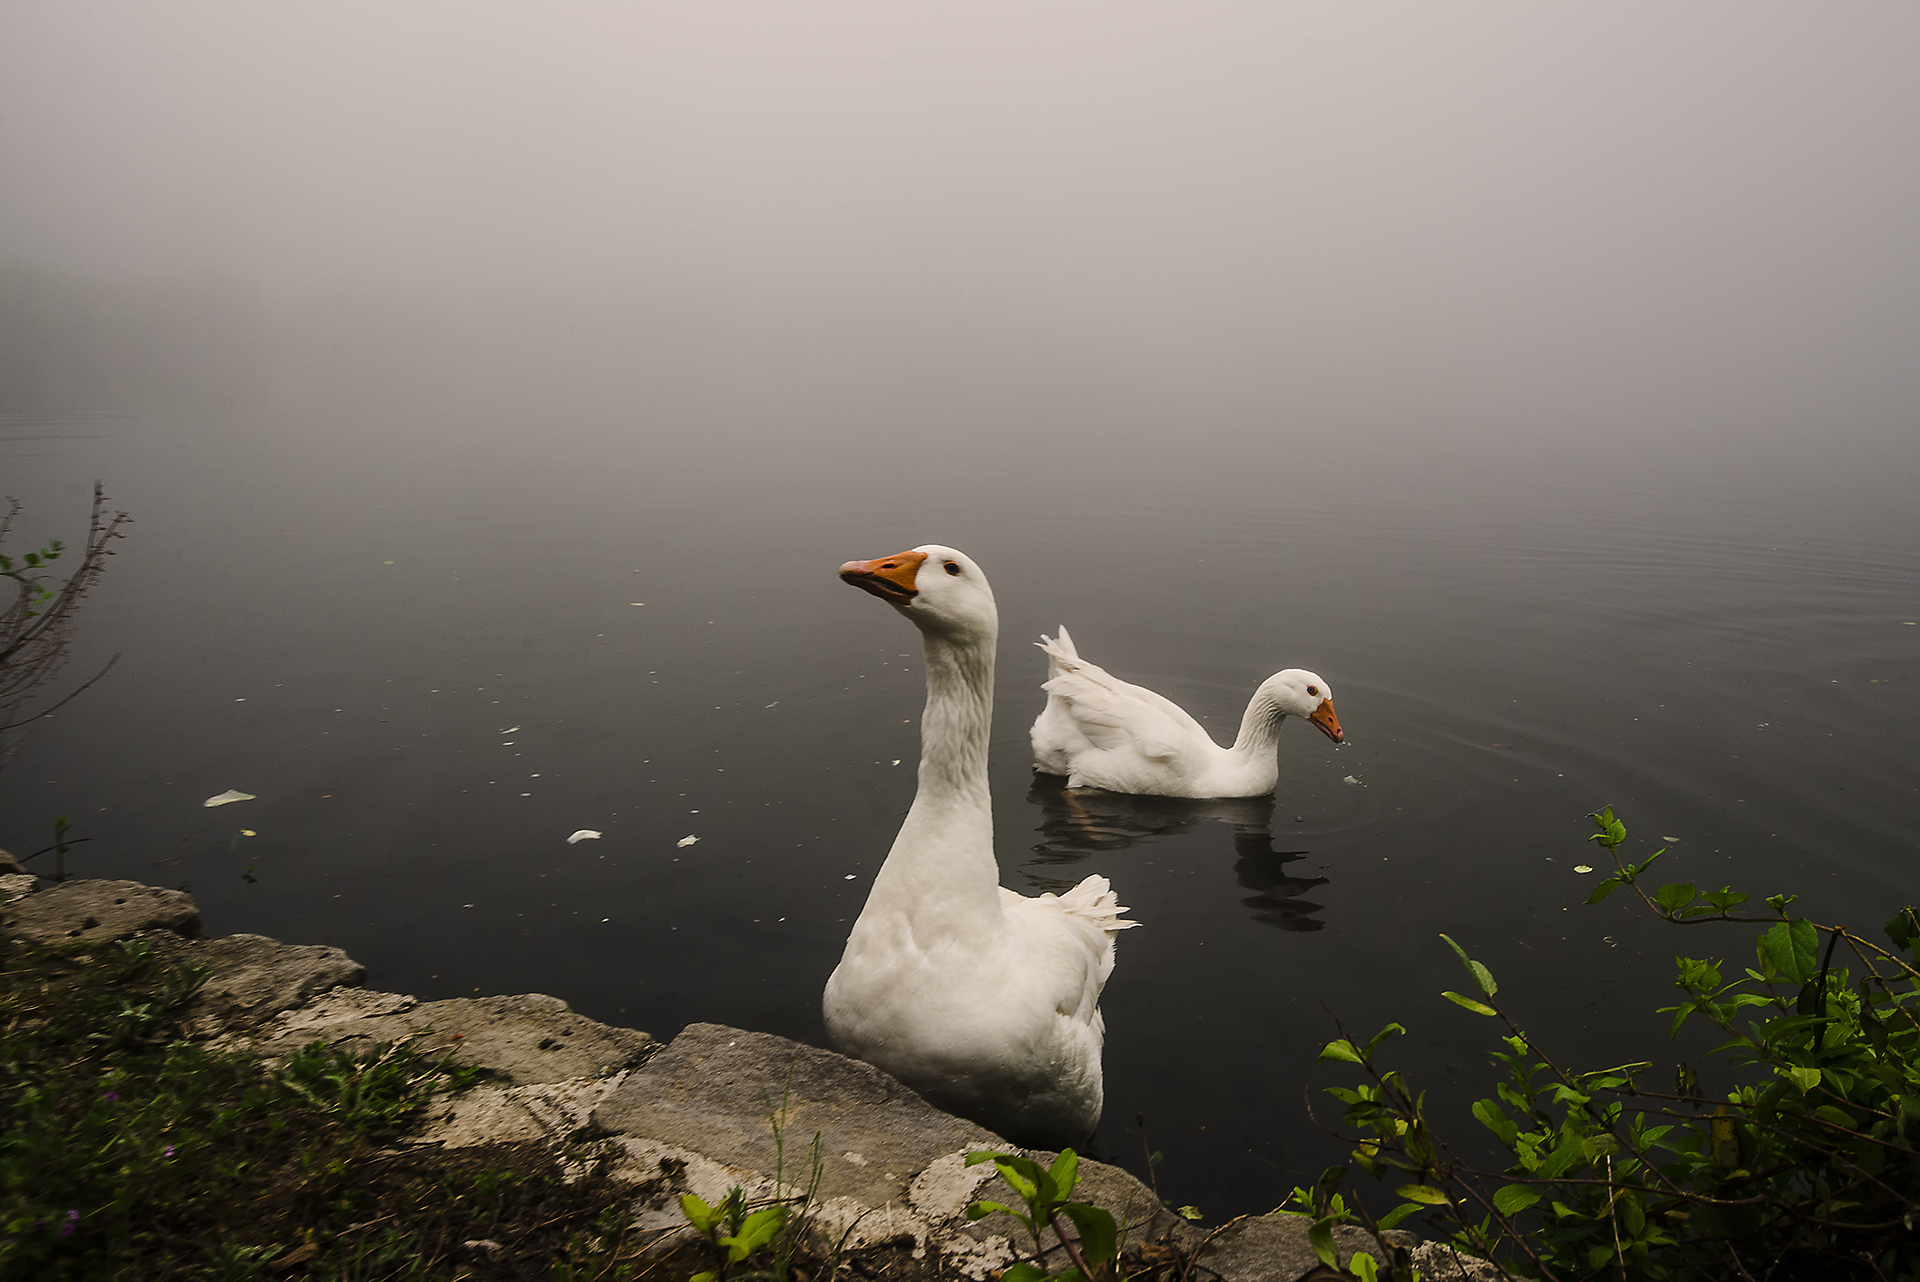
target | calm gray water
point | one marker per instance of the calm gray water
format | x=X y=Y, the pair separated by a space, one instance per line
x=436 y=640
x=497 y=390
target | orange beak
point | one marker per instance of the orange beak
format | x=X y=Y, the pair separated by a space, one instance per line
x=1323 y=716
x=890 y=578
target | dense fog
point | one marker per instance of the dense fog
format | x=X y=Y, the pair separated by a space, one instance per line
x=1496 y=223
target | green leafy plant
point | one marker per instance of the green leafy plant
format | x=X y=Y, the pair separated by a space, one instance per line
x=371 y=1093
x=127 y=1150
x=1806 y=1165
x=730 y=1226
x=1330 y=1208
x=1045 y=1193
x=740 y=1231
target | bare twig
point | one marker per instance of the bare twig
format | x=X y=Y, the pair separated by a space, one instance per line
x=37 y=625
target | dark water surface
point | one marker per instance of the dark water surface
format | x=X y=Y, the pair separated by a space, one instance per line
x=437 y=639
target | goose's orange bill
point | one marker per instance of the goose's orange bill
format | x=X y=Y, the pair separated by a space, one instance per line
x=890 y=578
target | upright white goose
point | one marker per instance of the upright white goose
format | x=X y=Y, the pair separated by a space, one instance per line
x=1101 y=732
x=984 y=1001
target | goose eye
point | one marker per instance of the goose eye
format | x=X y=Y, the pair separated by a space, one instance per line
x=953 y=567
x=1313 y=689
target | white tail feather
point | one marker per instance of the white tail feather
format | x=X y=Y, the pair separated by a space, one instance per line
x=1060 y=652
x=1094 y=900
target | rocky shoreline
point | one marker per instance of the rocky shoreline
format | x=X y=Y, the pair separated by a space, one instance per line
x=713 y=1109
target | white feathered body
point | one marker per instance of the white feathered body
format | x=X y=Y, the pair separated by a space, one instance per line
x=1102 y=732
x=984 y=1001
x=1004 y=1029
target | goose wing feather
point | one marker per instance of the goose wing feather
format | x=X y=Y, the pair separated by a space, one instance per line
x=1091 y=705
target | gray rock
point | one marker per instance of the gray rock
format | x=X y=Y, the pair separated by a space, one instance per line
x=16 y=885
x=714 y=1091
x=8 y=864
x=255 y=978
x=99 y=912
x=521 y=1040
x=1439 y=1262
x=1274 y=1248
x=892 y=1166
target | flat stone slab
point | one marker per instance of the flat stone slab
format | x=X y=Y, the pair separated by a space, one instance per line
x=700 y=1117
x=545 y=1113
x=255 y=978
x=1274 y=1248
x=716 y=1090
x=16 y=885
x=522 y=1040
x=99 y=912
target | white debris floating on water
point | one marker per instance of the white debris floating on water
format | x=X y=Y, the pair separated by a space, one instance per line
x=687 y=840
x=585 y=834
x=228 y=798
x=1350 y=779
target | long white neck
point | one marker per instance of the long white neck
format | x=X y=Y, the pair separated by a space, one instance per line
x=941 y=872
x=1259 y=727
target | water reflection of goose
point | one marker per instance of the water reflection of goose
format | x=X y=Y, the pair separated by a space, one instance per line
x=1075 y=824
x=983 y=1000
x=1102 y=732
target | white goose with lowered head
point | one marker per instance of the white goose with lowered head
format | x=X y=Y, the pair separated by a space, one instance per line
x=984 y=1001
x=1102 y=732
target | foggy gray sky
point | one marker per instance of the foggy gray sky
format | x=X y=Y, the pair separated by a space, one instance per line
x=1487 y=199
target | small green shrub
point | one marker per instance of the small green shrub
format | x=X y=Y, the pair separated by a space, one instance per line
x=1807 y=1168
x=1045 y=1193
x=763 y=1240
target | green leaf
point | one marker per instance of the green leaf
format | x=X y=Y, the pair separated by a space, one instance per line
x=1792 y=949
x=1612 y=831
x=1904 y=928
x=1726 y=899
x=1675 y=897
x=982 y=1209
x=1422 y=1193
x=1189 y=1212
x=1633 y=1216
x=1099 y=1239
x=1696 y=975
x=1564 y=1156
x=758 y=1230
x=698 y=1213
x=1022 y=1174
x=1478 y=1008
x=1605 y=888
x=1320 y=1236
x=1805 y=1078
x=1390 y=1030
x=1023 y=1272
x=1341 y=1049
x=1325 y=1187
x=1495 y=1119
x=1065 y=1173
x=1481 y=975
x=1392 y=1218
x=1363 y=1267
x=1514 y=1198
